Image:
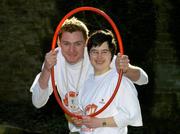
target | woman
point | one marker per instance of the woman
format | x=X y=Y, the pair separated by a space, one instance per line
x=124 y=110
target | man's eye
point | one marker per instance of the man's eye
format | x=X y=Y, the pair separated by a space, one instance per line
x=66 y=44
x=78 y=44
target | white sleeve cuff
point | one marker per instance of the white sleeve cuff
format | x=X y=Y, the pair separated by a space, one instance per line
x=122 y=120
x=143 y=79
x=39 y=96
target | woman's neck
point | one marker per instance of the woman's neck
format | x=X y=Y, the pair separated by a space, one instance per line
x=100 y=72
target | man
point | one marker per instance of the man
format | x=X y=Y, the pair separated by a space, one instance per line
x=72 y=66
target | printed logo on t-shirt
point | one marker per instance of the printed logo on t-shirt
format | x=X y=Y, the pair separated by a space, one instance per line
x=102 y=101
x=90 y=109
x=71 y=100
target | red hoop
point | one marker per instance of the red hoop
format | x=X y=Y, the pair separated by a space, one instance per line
x=98 y=11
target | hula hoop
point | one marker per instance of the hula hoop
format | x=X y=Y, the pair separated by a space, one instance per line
x=100 y=12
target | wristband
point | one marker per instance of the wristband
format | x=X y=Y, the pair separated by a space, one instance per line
x=104 y=123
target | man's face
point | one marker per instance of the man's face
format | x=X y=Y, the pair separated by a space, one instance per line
x=72 y=46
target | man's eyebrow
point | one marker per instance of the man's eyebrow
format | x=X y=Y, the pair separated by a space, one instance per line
x=80 y=41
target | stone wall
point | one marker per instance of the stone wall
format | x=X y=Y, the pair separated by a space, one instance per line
x=166 y=64
x=24 y=28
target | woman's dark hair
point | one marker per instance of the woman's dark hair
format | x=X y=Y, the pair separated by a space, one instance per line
x=97 y=38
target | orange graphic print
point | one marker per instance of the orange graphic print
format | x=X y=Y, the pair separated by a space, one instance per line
x=90 y=109
x=71 y=94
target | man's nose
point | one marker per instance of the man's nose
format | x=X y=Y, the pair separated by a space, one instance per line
x=71 y=48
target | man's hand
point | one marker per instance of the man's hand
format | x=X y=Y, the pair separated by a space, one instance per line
x=122 y=62
x=76 y=121
x=50 y=60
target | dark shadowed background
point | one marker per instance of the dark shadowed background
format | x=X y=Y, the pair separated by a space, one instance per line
x=150 y=32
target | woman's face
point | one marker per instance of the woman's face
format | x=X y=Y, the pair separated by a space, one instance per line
x=100 y=58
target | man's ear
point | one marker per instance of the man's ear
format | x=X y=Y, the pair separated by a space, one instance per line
x=86 y=41
x=58 y=42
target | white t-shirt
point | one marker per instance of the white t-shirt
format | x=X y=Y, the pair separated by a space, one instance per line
x=125 y=106
x=68 y=78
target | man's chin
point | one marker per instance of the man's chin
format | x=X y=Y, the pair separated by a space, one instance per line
x=72 y=61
